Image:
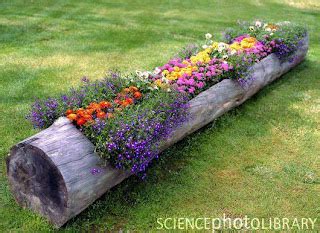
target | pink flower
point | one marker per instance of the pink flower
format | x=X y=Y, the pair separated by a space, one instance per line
x=198 y=76
x=180 y=81
x=201 y=69
x=240 y=38
x=191 y=82
x=200 y=85
x=170 y=69
x=225 y=66
x=191 y=90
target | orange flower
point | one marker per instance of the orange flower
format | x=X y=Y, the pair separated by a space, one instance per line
x=81 y=121
x=105 y=104
x=110 y=115
x=101 y=115
x=90 y=111
x=133 y=89
x=129 y=100
x=72 y=117
x=69 y=111
x=137 y=95
x=80 y=112
x=126 y=90
x=87 y=117
x=94 y=105
x=125 y=103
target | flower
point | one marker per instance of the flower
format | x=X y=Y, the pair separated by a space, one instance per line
x=81 y=121
x=105 y=104
x=137 y=95
x=157 y=70
x=258 y=24
x=100 y=115
x=69 y=111
x=252 y=28
x=208 y=36
x=72 y=116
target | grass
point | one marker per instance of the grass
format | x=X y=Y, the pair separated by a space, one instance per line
x=261 y=159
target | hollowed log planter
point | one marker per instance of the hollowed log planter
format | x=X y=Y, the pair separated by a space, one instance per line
x=50 y=172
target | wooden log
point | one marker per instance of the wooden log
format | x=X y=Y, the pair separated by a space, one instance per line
x=50 y=172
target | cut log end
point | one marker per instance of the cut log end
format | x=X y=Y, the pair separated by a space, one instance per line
x=36 y=182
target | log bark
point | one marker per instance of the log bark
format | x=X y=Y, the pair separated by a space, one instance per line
x=50 y=172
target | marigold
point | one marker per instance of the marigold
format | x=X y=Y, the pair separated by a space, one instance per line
x=129 y=100
x=72 y=116
x=81 y=121
x=133 y=89
x=110 y=115
x=105 y=104
x=101 y=115
x=137 y=95
x=69 y=111
x=126 y=90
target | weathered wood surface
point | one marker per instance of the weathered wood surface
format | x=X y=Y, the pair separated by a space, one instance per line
x=50 y=172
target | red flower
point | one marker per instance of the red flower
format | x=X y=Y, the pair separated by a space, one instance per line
x=137 y=95
x=101 y=115
x=69 y=111
x=129 y=100
x=105 y=104
x=81 y=121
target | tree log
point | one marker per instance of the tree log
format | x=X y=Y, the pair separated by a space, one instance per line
x=50 y=172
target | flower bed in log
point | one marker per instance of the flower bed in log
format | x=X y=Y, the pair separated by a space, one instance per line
x=112 y=128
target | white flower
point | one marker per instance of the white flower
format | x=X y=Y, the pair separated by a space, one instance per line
x=165 y=80
x=208 y=36
x=268 y=29
x=138 y=73
x=221 y=46
x=145 y=74
x=225 y=57
x=271 y=33
x=251 y=28
x=205 y=46
x=265 y=25
x=157 y=70
x=233 y=52
x=258 y=24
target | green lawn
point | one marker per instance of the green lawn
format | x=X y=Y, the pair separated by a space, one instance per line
x=261 y=159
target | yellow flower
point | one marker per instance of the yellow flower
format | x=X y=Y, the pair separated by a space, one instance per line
x=215 y=45
x=248 y=42
x=208 y=50
x=235 y=46
x=165 y=72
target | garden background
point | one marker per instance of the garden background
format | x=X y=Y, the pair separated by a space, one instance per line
x=261 y=159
